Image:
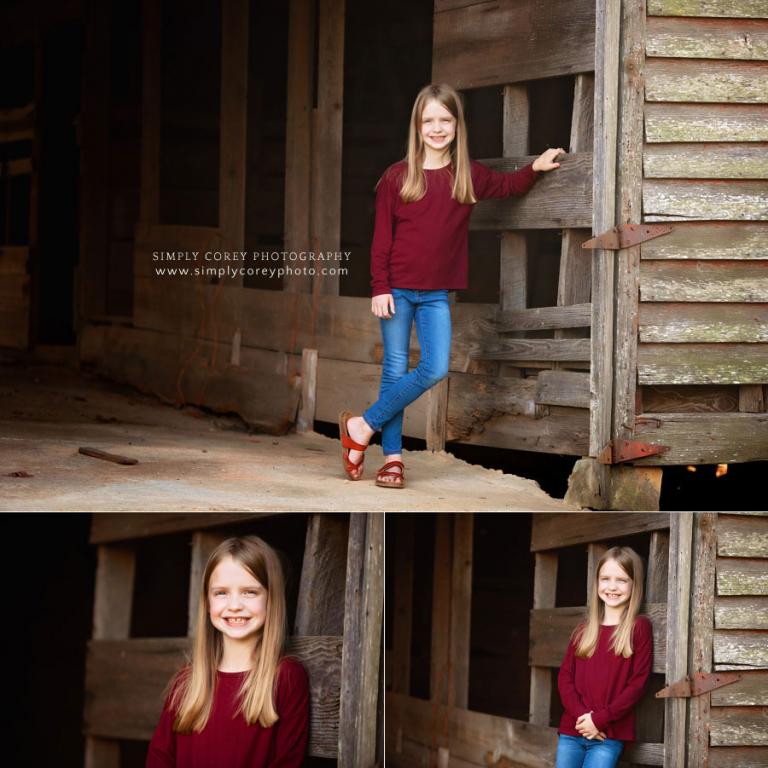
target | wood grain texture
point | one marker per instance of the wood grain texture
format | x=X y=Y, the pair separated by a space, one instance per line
x=729 y=8
x=544 y=595
x=703 y=364
x=720 y=161
x=741 y=612
x=707 y=38
x=567 y=388
x=461 y=608
x=695 y=323
x=484 y=44
x=740 y=576
x=113 y=595
x=720 y=81
x=705 y=122
x=739 y=536
x=402 y=615
x=738 y=757
x=533 y=349
x=739 y=726
x=544 y=318
x=751 y=690
x=696 y=399
x=683 y=200
x=553 y=531
x=713 y=281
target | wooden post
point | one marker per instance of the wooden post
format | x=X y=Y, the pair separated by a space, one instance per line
x=112 y=605
x=702 y=628
x=233 y=126
x=402 y=615
x=607 y=36
x=678 y=609
x=320 y=605
x=657 y=581
x=203 y=543
x=594 y=553
x=298 y=134
x=437 y=416
x=306 y=418
x=461 y=608
x=544 y=593
x=441 y=611
x=363 y=604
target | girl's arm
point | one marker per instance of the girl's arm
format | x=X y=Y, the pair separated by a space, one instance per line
x=488 y=183
x=383 y=232
x=641 y=669
x=566 y=684
x=293 y=710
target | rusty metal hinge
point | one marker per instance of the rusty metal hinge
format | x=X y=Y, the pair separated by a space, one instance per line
x=618 y=451
x=698 y=683
x=627 y=235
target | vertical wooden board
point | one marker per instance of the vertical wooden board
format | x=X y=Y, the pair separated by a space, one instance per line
x=441 y=611
x=594 y=553
x=402 y=614
x=752 y=398
x=544 y=592
x=461 y=609
x=658 y=568
x=306 y=418
x=101 y=753
x=113 y=592
x=203 y=544
x=437 y=415
x=320 y=606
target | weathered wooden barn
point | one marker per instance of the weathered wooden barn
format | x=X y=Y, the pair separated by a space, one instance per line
x=140 y=636
x=480 y=607
x=207 y=128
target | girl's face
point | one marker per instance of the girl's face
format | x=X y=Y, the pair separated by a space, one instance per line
x=614 y=587
x=438 y=126
x=237 y=602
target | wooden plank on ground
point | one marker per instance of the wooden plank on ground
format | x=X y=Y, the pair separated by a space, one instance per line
x=733 y=612
x=556 y=530
x=683 y=199
x=737 y=576
x=475 y=45
x=363 y=606
x=714 y=281
x=703 y=364
x=718 y=81
x=751 y=690
x=707 y=39
x=125 y=680
x=740 y=649
x=704 y=438
x=739 y=536
x=738 y=757
x=720 y=161
x=567 y=388
x=698 y=323
x=711 y=240
x=739 y=726
x=723 y=8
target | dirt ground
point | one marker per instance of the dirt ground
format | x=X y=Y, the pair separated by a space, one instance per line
x=189 y=460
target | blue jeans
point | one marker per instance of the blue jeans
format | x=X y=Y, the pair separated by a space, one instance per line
x=580 y=752
x=432 y=315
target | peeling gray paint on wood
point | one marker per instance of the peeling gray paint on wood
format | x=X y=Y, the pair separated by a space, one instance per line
x=720 y=82
x=720 y=161
x=739 y=726
x=737 y=576
x=732 y=8
x=683 y=200
x=739 y=536
x=706 y=281
x=706 y=39
x=736 y=649
x=732 y=612
x=680 y=322
x=703 y=364
x=710 y=240
x=705 y=122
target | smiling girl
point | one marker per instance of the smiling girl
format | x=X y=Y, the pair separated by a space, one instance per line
x=239 y=703
x=606 y=666
x=418 y=254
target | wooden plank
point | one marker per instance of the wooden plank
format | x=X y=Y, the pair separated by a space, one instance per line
x=682 y=200
x=741 y=577
x=720 y=81
x=461 y=608
x=319 y=611
x=203 y=544
x=741 y=613
x=558 y=200
x=727 y=8
x=544 y=594
x=716 y=281
x=705 y=122
x=363 y=606
x=567 y=388
x=751 y=690
x=550 y=630
x=657 y=580
x=553 y=531
x=702 y=600
x=439 y=675
x=532 y=349
x=676 y=666
x=720 y=161
x=738 y=757
x=402 y=615
x=704 y=438
x=739 y=726
x=697 y=399
x=703 y=364
x=742 y=536
x=752 y=398
x=696 y=323
x=437 y=415
x=480 y=45
x=112 y=527
x=102 y=753
x=125 y=680
x=707 y=39
x=594 y=552
x=544 y=318
x=298 y=134
x=113 y=595
x=306 y=417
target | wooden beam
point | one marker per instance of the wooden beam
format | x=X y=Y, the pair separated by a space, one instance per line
x=320 y=604
x=203 y=544
x=544 y=593
x=553 y=531
x=402 y=614
x=363 y=605
x=437 y=415
x=657 y=581
x=113 y=598
x=439 y=676
x=306 y=418
x=461 y=609
x=678 y=611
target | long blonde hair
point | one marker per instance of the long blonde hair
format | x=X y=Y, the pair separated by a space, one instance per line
x=586 y=634
x=414 y=185
x=193 y=688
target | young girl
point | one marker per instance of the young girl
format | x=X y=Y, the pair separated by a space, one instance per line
x=239 y=702
x=606 y=666
x=418 y=254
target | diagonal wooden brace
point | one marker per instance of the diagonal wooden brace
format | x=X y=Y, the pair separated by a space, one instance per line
x=698 y=683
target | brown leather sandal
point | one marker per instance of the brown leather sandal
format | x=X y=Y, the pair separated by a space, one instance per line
x=348 y=443
x=387 y=471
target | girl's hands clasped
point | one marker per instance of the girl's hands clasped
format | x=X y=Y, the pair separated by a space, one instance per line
x=546 y=160
x=588 y=729
x=383 y=305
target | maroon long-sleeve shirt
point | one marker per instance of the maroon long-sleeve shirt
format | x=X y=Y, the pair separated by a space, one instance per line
x=608 y=685
x=423 y=245
x=229 y=742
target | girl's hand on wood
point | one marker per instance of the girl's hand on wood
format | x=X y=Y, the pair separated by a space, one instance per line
x=383 y=305
x=546 y=160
